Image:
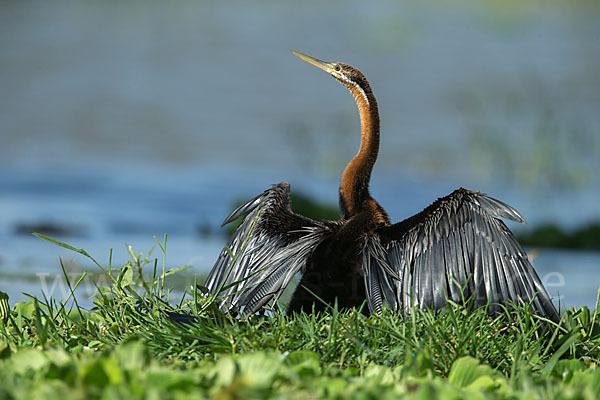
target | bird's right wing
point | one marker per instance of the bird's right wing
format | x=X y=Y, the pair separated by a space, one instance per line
x=270 y=246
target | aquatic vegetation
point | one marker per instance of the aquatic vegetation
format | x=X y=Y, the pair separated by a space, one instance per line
x=549 y=235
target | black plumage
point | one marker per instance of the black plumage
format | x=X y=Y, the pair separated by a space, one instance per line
x=458 y=248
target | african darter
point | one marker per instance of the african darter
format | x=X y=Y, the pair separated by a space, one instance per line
x=458 y=248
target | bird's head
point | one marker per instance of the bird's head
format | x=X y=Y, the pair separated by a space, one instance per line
x=346 y=74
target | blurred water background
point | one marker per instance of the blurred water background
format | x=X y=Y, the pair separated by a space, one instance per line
x=124 y=120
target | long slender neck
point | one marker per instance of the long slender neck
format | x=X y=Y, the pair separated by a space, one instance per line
x=354 y=186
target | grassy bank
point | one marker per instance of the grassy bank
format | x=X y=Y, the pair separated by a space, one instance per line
x=126 y=347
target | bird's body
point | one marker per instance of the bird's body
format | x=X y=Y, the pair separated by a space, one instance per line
x=458 y=248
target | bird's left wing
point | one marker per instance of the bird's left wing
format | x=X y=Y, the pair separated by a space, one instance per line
x=457 y=248
x=270 y=246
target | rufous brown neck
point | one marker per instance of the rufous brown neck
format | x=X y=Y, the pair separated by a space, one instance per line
x=354 y=186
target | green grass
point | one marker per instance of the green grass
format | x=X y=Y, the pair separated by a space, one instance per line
x=126 y=347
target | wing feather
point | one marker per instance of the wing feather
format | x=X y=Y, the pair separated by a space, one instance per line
x=457 y=248
x=270 y=246
x=457 y=274
x=381 y=284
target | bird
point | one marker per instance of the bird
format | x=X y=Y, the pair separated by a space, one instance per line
x=457 y=249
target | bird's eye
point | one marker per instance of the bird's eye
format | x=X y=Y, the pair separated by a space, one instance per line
x=338 y=67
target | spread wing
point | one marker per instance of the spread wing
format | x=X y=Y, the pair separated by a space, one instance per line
x=270 y=246
x=455 y=249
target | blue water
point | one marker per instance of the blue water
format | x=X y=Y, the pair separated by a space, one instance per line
x=125 y=120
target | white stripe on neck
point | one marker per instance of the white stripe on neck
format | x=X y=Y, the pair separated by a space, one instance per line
x=362 y=92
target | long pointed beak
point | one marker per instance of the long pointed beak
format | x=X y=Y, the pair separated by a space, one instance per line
x=325 y=66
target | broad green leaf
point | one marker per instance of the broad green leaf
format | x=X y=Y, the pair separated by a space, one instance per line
x=260 y=368
x=223 y=372
x=305 y=363
x=125 y=277
x=466 y=370
x=595 y=383
x=565 y=369
x=379 y=374
x=4 y=349
x=133 y=355
x=170 y=380
x=93 y=374
x=114 y=372
x=28 y=359
x=25 y=309
x=484 y=382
